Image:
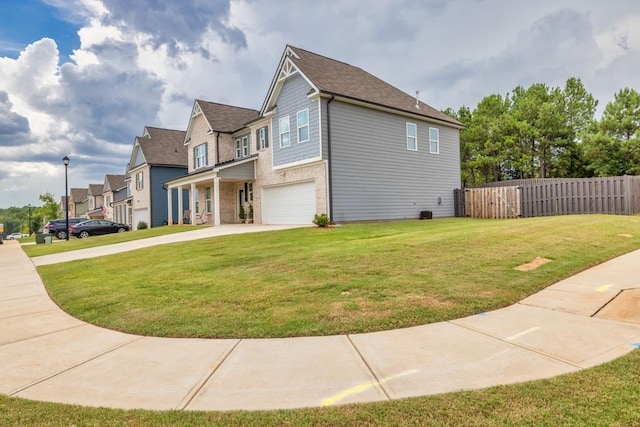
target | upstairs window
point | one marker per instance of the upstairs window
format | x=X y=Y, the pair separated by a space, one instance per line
x=302 y=119
x=139 y=181
x=200 y=156
x=284 y=132
x=242 y=147
x=262 y=138
x=434 y=141
x=412 y=137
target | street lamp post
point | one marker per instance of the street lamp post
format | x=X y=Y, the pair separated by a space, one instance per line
x=65 y=160
x=29 y=219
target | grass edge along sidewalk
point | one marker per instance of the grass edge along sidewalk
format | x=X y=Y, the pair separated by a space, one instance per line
x=350 y=279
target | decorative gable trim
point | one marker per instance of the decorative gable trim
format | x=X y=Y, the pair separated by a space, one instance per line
x=195 y=112
x=146 y=133
x=286 y=69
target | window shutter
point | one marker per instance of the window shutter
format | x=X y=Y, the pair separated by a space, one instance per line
x=194 y=158
x=206 y=153
x=266 y=136
x=257 y=140
x=246 y=192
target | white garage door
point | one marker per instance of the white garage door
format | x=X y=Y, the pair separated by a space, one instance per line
x=289 y=204
x=140 y=215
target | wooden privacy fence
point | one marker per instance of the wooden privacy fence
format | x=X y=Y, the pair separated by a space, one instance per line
x=618 y=195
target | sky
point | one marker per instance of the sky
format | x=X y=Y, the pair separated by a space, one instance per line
x=82 y=78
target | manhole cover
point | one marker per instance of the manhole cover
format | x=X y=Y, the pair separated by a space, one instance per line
x=625 y=307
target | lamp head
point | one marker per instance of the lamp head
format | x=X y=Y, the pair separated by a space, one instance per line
x=65 y=160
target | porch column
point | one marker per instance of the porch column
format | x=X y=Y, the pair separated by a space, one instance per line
x=192 y=204
x=180 y=222
x=216 y=201
x=170 y=206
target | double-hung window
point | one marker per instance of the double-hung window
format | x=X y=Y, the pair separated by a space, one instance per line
x=242 y=147
x=302 y=120
x=207 y=197
x=412 y=137
x=262 y=138
x=200 y=156
x=284 y=132
x=434 y=140
x=196 y=200
x=139 y=181
x=250 y=191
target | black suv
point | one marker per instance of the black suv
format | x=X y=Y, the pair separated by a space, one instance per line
x=58 y=227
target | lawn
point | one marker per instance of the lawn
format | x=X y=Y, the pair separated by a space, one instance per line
x=348 y=279
x=606 y=395
x=75 y=243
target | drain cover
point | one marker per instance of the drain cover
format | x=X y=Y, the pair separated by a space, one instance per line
x=625 y=307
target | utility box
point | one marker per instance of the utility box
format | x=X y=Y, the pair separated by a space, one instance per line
x=426 y=215
x=39 y=238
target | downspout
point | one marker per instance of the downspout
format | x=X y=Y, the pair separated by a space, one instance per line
x=330 y=166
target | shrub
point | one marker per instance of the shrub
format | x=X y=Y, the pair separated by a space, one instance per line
x=321 y=220
x=142 y=225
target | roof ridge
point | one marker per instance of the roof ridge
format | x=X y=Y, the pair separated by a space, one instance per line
x=226 y=105
x=326 y=57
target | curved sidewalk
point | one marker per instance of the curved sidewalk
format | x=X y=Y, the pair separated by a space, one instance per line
x=46 y=354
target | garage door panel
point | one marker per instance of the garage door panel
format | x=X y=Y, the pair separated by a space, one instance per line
x=289 y=204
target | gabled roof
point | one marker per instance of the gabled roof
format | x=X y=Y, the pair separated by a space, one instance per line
x=78 y=194
x=226 y=118
x=95 y=190
x=332 y=77
x=113 y=182
x=220 y=117
x=162 y=147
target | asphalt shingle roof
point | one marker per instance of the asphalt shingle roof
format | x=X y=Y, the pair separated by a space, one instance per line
x=96 y=189
x=164 y=147
x=339 y=78
x=78 y=194
x=226 y=118
x=115 y=182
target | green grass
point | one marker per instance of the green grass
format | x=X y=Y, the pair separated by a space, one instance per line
x=74 y=243
x=348 y=279
x=606 y=395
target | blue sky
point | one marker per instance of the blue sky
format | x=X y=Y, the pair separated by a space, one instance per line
x=24 y=21
x=83 y=78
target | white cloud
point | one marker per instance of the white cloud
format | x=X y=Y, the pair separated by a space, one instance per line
x=144 y=62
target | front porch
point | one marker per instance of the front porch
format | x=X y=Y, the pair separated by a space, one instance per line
x=215 y=195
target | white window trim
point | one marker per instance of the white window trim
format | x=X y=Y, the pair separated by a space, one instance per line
x=201 y=159
x=280 y=133
x=250 y=191
x=303 y=126
x=238 y=148
x=437 y=141
x=139 y=181
x=207 y=200
x=412 y=137
x=245 y=146
x=262 y=132
x=196 y=200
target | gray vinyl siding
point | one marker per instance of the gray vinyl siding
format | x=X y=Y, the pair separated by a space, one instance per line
x=159 y=208
x=375 y=177
x=243 y=171
x=293 y=98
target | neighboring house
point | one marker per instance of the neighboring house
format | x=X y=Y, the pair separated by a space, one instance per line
x=63 y=206
x=95 y=202
x=112 y=183
x=329 y=138
x=122 y=211
x=78 y=202
x=157 y=156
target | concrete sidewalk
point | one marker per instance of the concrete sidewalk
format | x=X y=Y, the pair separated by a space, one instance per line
x=46 y=354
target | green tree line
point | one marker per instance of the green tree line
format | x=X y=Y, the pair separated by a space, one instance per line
x=16 y=219
x=549 y=132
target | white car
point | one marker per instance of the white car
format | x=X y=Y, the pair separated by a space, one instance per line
x=14 y=236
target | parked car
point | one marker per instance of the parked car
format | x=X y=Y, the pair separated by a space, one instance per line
x=14 y=236
x=58 y=227
x=96 y=227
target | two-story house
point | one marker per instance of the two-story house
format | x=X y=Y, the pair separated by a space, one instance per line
x=329 y=138
x=112 y=184
x=77 y=202
x=95 y=202
x=157 y=156
x=122 y=200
